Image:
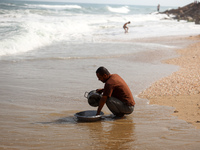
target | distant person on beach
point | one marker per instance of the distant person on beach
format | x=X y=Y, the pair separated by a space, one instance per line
x=158 y=7
x=116 y=93
x=125 y=26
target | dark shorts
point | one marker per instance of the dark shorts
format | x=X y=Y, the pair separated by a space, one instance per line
x=117 y=107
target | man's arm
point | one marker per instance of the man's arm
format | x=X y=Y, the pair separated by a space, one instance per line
x=101 y=104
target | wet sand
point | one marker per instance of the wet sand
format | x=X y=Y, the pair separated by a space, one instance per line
x=181 y=89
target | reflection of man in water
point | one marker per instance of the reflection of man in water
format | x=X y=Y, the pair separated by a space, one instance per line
x=116 y=93
x=125 y=27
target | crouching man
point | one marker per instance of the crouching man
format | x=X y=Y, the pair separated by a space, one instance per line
x=116 y=94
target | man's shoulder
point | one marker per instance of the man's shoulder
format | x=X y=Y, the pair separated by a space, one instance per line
x=114 y=77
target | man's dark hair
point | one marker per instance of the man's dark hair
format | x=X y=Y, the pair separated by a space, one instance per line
x=102 y=71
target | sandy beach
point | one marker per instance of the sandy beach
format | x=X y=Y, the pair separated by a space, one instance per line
x=181 y=89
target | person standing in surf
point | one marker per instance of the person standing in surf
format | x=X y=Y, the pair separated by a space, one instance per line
x=125 y=26
x=158 y=7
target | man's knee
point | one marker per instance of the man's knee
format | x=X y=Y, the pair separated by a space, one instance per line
x=117 y=106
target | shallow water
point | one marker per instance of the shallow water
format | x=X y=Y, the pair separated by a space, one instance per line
x=40 y=93
x=149 y=127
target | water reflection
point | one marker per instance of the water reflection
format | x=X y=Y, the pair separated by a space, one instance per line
x=110 y=133
x=64 y=120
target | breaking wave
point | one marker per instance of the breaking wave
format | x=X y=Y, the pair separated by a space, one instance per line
x=123 y=9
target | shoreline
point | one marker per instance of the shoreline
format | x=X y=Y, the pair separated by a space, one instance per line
x=181 y=89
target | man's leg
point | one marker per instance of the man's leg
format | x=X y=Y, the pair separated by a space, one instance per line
x=117 y=107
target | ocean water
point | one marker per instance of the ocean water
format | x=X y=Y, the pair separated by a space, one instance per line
x=49 y=53
x=27 y=26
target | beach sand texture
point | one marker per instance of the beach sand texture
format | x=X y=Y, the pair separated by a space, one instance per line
x=181 y=89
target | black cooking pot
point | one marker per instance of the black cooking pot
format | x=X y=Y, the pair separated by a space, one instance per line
x=93 y=98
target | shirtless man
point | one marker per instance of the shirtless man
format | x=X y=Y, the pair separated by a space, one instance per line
x=125 y=27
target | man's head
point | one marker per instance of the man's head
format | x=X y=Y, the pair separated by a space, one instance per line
x=102 y=74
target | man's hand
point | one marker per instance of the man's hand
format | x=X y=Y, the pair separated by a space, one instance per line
x=99 y=91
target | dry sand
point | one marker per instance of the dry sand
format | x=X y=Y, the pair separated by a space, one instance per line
x=181 y=89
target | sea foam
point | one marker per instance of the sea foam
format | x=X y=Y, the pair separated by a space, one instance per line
x=56 y=6
x=123 y=9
